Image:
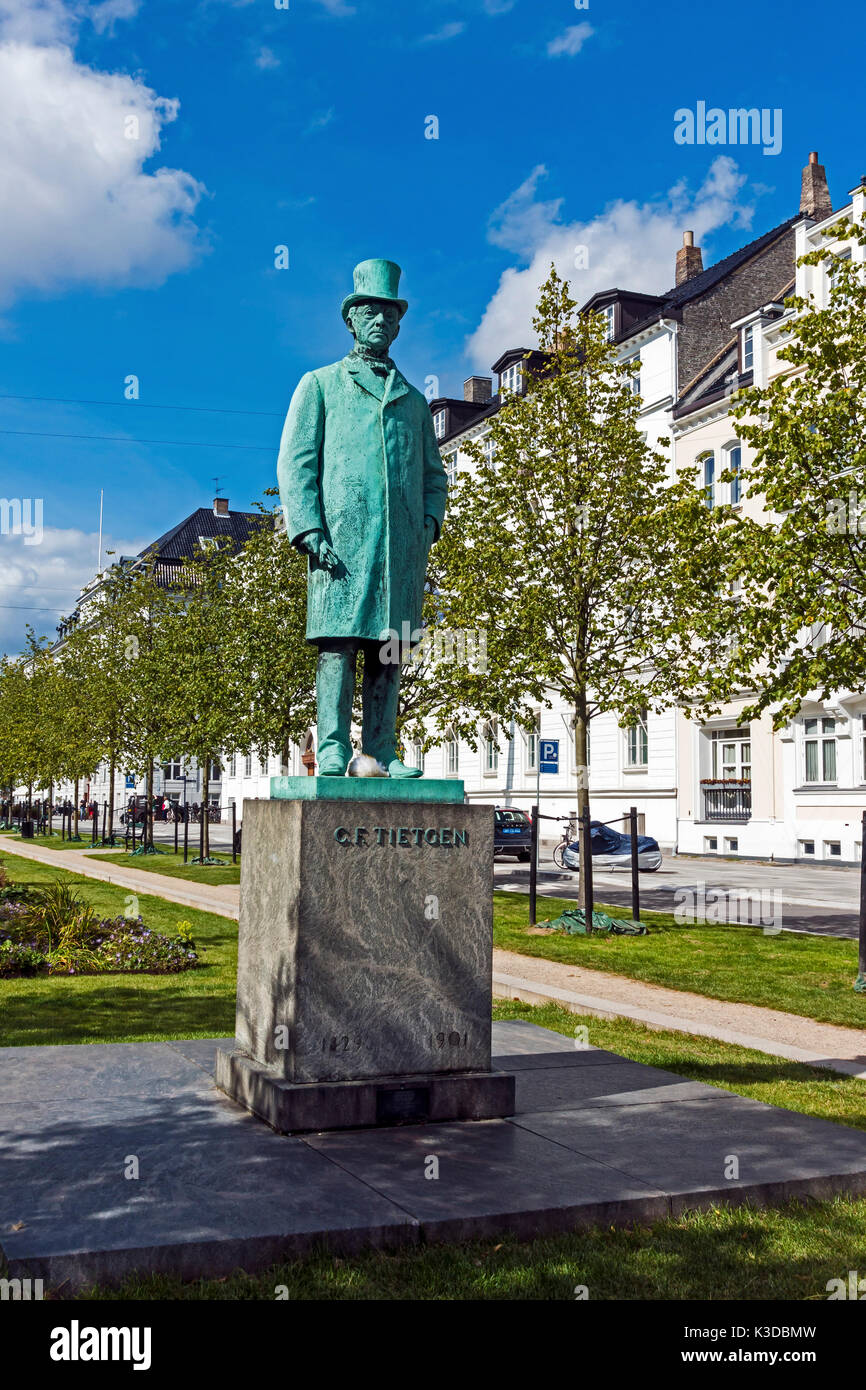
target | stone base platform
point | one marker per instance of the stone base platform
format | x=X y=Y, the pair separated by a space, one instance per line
x=594 y=1140
x=300 y=1107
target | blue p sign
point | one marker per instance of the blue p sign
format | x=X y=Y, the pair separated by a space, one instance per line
x=550 y=755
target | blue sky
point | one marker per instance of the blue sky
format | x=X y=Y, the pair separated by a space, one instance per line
x=258 y=127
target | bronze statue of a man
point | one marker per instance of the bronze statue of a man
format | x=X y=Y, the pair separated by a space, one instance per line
x=363 y=491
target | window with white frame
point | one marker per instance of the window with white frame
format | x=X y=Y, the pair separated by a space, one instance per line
x=637 y=742
x=532 y=739
x=173 y=771
x=608 y=313
x=731 y=755
x=216 y=771
x=819 y=750
x=248 y=765
x=634 y=377
x=735 y=457
x=511 y=380
x=749 y=348
x=452 y=757
x=417 y=755
x=489 y=751
x=450 y=461
x=489 y=451
x=707 y=464
x=233 y=765
x=439 y=422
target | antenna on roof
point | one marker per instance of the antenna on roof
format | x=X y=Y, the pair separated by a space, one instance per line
x=216 y=483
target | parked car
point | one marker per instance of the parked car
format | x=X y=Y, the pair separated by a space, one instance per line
x=612 y=850
x=135 y=813
x=512 y=832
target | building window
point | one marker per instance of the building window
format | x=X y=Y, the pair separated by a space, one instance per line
x=490 y=751
x=832 y=849
x=233 y=765
x=711 y=844
x=511 y=380
x=532 y=740
x=450 y=461
x=634 y=378
x=748 y=349
x=819 y=746
x=417 y=755
x=608 y=314
x=452 y=757
x=636 y=742
x=807 y=848
x=248 y=765
x=173 y=771
x=216 y=771
x=732 y=846
x=489 y=451
x=708 y=471
x=439 y=422
x=731 y=755
x=735 y=456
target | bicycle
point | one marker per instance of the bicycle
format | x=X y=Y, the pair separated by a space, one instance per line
x=569 y=835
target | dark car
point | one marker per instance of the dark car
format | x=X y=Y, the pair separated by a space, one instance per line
x=612 y=850
x=512 y=832
x=135 y=813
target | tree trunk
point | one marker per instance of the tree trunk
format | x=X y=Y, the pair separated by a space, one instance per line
x=148 y=806
x=581 y=739
x=205 y=819
x=111 y=776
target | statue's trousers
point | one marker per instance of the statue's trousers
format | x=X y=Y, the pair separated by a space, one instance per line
x=335 y=689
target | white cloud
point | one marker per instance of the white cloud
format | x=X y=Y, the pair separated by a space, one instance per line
x=39 y=583
x=498 y=6
x=83 y=209
x=337 y=7
x=266 y=59
x=105 y=15
x=320 y=121
x=630 y=245
x=448 y=31
x=571 y=41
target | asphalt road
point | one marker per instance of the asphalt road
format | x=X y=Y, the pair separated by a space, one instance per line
x=794 y=897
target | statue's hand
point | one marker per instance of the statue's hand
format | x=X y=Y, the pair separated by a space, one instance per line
x=328 y=558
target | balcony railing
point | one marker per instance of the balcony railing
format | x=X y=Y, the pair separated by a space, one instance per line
x=727 y=801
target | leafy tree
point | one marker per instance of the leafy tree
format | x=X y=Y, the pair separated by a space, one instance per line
x=801 y=565
x=587 y=569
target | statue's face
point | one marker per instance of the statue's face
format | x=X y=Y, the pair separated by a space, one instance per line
x=375 y=324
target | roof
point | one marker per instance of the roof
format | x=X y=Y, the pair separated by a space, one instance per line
x=182 y=541
x=699 y=284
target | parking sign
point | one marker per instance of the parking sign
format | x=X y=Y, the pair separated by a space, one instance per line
x=550 y=755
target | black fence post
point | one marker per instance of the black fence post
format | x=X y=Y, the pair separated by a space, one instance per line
x=635 y=867
x=533 y=865
x=185 y=833
x=234 y=834
x=201 y=817
x=174 y=818
x=586 y=865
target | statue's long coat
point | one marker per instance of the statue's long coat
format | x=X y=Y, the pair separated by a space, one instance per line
x=359 y=461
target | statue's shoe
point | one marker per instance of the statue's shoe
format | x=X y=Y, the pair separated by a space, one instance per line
x=333 y=767
x=398 y=769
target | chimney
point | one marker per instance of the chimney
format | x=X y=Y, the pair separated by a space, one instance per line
x=221 y=506
x=689 y=260
x=478 y=389
x=814 y=193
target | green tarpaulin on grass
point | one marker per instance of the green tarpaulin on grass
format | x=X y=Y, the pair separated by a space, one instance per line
x=574 y=923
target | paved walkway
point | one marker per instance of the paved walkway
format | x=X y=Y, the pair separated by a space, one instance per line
x=223 y=899
x=539 y=981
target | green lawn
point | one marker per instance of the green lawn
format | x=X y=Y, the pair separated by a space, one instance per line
x=124 y=1008
x=167 y=862
x=808 y=975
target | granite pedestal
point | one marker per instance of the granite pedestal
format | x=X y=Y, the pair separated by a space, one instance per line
x=365 y=958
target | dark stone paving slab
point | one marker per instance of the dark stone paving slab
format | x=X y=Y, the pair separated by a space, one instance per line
x=685 y=1146
x=596 y=1138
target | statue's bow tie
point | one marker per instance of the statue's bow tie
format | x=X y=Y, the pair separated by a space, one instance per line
x=380 y=365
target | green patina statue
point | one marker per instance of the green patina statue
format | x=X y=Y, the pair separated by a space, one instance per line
x=363 y=491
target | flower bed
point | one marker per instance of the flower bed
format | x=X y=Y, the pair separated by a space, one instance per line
x=51 y=931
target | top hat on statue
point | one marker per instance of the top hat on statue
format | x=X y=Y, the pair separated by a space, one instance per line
x=375 y=280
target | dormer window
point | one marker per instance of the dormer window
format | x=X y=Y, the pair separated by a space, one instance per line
x=748 y=348
x=439 y=424
x=511 y=380
x=608 y=314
